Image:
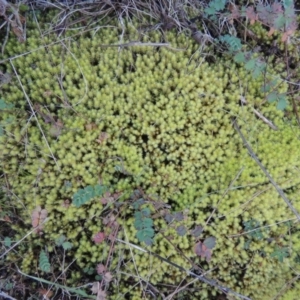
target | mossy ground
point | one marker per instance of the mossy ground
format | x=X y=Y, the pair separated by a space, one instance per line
x=156 y=116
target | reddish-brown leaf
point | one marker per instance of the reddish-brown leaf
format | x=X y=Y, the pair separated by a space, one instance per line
x=251 y=14
x=99 y=237
x=47 y=294
x=101 y=269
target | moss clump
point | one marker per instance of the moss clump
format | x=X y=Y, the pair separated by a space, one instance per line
x=158 y=118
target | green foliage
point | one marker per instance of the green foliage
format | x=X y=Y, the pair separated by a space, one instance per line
x=143 y=222
x=233 y=43
x=144 y=226
x=280 y=253
x=7 y=241
x=82 y=196
x=4 y=105
x=210 y=242
x=61 y=241
x=214 y=6
x=279 y=98
x=252 y=227
x=44 y=263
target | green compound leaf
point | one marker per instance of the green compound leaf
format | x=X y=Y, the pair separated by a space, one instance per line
x=240 y=57
x=138 y=203
x=146 y=212
x=4 y=105
x=145 y=235
x=280 y=253
x=280 y=21
x=67 y=245
x=82 y=196
x=214 y=6
x=282 y=104
x=272 y=97
x=253 y=230
x=250 y=65
x=44 y=262
x=210 y=242
x=99 y=190
x=233 y=43
x=140 y=224
x=59 y=241
x=266 y=88
x=7 y=241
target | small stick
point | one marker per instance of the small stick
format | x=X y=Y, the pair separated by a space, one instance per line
x=253 y=155
x=260 y=115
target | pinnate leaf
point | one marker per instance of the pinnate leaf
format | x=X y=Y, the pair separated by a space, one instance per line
x=282 y=104
x=67 y=245
x=44 y=262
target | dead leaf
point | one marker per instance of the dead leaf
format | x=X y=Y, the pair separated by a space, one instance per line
x=271 y=31
x=251 y=14
x=107 y=198
x=99 y=237
x=101 y=295
x=90 y=126
x=66 y=203
x=102 y=137
x=47 y=294
x=47 y=93
x=201 y=250
x=108 y=277
x=18 y=31
x=101 y=269
x=56 y=128
x=38 y=217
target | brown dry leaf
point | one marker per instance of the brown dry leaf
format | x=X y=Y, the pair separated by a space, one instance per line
x=107 y=198
x=251 y=14
x=38 y=216
x=47 y=294
x=90 y=126
x=235 y=11
x=101 y=269
x=201 y=250
x=287 y=34
x=271 y=31
x=95 y=288
x=102 y=137
x=47 y=93
x=107 y=277
x=99 y=237
x=18 y=31
x=66 y=203
x=56 y=128
x=101 y=295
